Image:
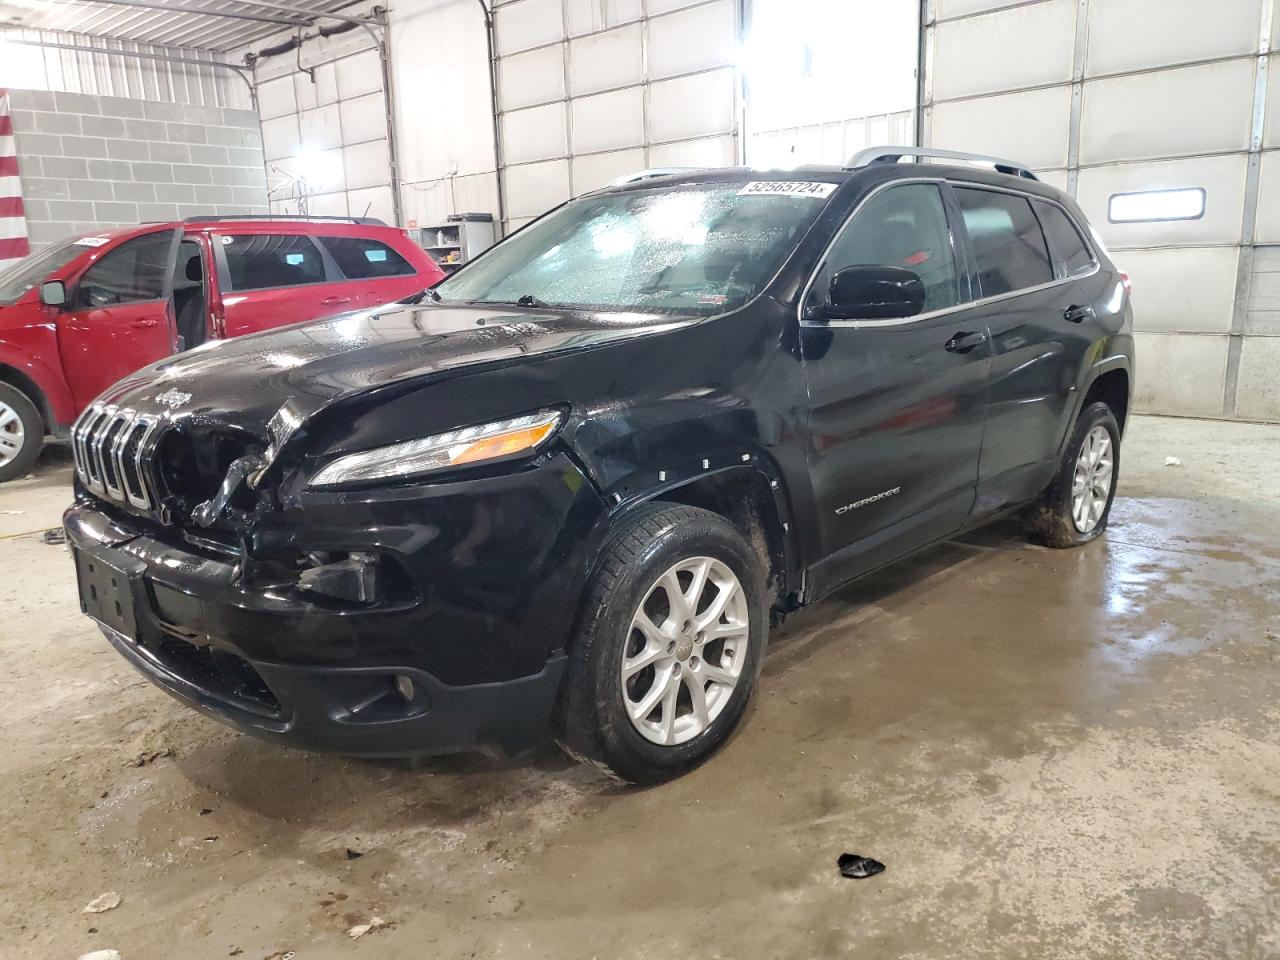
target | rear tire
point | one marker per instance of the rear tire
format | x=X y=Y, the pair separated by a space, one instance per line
x=677 y=606
x=1076 y=506
x=21 y=433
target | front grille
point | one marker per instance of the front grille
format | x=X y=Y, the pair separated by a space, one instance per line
x=109 y=445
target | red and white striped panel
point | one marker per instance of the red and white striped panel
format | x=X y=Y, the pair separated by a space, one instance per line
x=13 y=219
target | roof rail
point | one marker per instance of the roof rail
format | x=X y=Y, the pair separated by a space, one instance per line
x=211 y=218
x=651 y=174
x=872 y=155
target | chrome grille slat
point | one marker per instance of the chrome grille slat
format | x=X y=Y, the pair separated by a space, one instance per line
x=108 y=445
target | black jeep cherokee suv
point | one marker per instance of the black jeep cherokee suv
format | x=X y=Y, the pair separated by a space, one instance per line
x=567 y=489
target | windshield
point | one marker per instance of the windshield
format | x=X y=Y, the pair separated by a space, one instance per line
x=702 y=248
x=31 y=271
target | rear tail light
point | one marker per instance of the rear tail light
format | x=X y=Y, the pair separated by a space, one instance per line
x=1124 y=279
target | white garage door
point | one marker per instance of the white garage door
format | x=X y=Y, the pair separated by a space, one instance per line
x=324 y=133
x=590 y=90
x=1151 y=113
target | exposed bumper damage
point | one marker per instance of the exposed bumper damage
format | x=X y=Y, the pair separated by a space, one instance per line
x=440 y=652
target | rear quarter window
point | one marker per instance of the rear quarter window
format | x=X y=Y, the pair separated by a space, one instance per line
x=361 y=258
x=1006 y=240
x=259 y=261
x=1070 y=253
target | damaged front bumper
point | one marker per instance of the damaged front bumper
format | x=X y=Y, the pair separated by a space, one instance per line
x=467 y=655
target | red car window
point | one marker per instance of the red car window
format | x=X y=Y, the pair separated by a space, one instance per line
x=134 y=271
x=360 y=258
x=260 y=261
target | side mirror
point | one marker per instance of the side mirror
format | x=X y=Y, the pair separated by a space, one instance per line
x=866 y=292
x=53 y=293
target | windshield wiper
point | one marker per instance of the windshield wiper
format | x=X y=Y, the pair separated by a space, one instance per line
x=421 y=295
x=528 y=300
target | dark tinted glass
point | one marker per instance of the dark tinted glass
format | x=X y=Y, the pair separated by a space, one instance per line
x=134 y=271
x=1070 y=255
x=359 y=258
x=1007 y=241
x=259 y=261
x=899 y=227
x=24 y=274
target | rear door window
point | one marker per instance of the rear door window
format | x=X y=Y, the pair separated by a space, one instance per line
x=1006 y=240
x=133 y=272
x=362 y=258
x=259 y=261
x=1070 y=254
x=903 y=227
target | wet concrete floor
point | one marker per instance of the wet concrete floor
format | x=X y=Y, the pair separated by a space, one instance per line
x=1057 y=754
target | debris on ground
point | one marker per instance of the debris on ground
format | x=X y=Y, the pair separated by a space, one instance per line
x=101 y=955
x=354 y=854
x=281 y=955
x=103 y=902
x=147 y=746
x=1172 y=462
x=54 y=535
x=857 y=867
x=12 y=513
x=360 y=929
x=205 y=811
x=149 y=756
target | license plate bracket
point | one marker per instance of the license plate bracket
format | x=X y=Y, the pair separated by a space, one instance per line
x=108 y=589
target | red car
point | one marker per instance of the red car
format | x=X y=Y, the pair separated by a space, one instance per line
x=78 y=316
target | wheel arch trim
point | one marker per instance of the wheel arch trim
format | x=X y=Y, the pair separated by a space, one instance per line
x=709 y=483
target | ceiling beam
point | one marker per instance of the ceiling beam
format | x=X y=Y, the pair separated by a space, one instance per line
x=306 y=11
x=280 y=18
x=240 y=72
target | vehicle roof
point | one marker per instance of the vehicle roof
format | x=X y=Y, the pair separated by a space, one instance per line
x=878 y=172
x=338 y=228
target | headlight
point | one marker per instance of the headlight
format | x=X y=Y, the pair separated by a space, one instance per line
x=488 y=441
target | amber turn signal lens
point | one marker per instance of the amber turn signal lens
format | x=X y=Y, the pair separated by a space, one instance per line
x=503 y=445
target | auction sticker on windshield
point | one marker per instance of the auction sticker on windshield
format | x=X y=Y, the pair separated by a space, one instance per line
x=788 y=188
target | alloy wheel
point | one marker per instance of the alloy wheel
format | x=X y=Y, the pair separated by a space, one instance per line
x=12 y=434
x=685 y=651
x=1092 y=479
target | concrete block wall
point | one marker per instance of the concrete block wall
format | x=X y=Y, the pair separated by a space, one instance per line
x=89 y=162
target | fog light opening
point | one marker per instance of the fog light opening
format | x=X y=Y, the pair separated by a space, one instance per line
x=353 y=577
x=405 y=687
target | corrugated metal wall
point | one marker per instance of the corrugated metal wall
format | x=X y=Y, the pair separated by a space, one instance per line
x=324 y=130
x=1113 y=96
x=832 y=142
x=590 y=90
x=327 y=99
x=107 y=75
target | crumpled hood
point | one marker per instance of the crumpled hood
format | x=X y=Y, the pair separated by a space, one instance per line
x=243 y=382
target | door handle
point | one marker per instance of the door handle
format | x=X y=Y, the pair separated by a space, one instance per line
x=334 y=301
x=144 y=324
x=1078 y=313
x=964 y=341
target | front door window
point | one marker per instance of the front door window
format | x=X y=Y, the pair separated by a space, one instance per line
x=902 y=227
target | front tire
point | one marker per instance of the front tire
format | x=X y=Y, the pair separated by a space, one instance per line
x=21 y=433
x=669 y=645
x=1076 y=506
